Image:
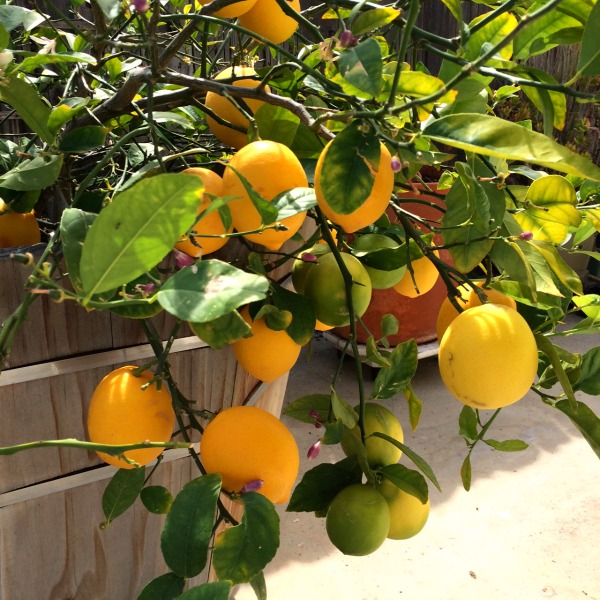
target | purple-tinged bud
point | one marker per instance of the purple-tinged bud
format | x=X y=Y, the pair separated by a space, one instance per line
x=252 y=486
x=308 y=257
x=316 y=418
x=147 y=288
x=526 y=235
x=182 y=259
x=141 y=6
x=348 y=39
x=314 y=450
x=396 y=164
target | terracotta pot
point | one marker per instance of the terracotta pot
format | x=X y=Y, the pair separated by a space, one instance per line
x=416 y=316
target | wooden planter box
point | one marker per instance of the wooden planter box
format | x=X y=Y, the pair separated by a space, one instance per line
x=50 y=499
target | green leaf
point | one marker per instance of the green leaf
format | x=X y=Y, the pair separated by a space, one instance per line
x=343 y=411
x=408 y=480
x=455 y=7
x=418 y=460
x=320 y=485
x=373 y=355
x=210 y=289
x=585 y=420
x=589 y=304
x=389 y=324
x=301 y=408
x=277 y=124
x=550 y=350
x=259 y=586
x=302 y=325
x=4 y=37
x=243 y=551
x=334 y=433
x=507 y=445
x=64 y=112
x=165 y=587
x=550 y=209
x=111 y=8
x=492 y=136
x=157 y=499
x=83 y=139
x=121 y=492
x=15 y=16
x=589 y=55
x=465 y=472
x=347 y=172
x=137 y=229
x=215 y=590
x=74 y=227
x=31 y=63
x=373 y=19
x=418 y=85
x=492 y=33
x=33 y=174
x=25 y=100
x=467 y=423
x=559 y=267
x=362 y=66
x=294 y=201
x=188 y=527
x=222 y=331
x=415 y=406
x=393 y=379
x=589 y=378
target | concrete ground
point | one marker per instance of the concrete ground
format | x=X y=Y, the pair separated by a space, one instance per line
x=528 y=529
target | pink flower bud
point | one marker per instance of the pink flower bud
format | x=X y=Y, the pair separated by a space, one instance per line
x=147 y=288
x=308 y=257
x=396 y=164
x=526 y=235
x=182 y=259
x=316 y=418
x=141 y=6
x=252 y=486
x=348 y=39
x=314 y=450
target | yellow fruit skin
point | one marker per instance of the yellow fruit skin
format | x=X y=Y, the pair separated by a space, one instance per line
x=18 y=229
x=122 y=413
x=245 y=444
x=408 y=514
x=233 y=10
x=467 y=299
x=488 y=357
x=425 y=276
x=271 y=169
x=268 y=354
x=225 y=109
x=210 y=224
x=373 y=207
x=267 y=19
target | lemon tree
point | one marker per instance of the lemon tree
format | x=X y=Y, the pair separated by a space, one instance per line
x=185 y=158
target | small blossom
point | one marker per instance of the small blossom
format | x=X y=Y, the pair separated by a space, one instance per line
x=308 y=257
x=314 y=450
x=348 y=39
x=252 y=486
x=396 y=164
x=526 y=235
x=146 y=289
x=182 y=259
x=316 y=418
x=141 y=6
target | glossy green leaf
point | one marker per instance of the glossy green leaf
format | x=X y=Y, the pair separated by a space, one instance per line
x=121 y=492
x=415 y=407
x=334 y=433
x=137 y=229
x=507 y=445
x=585 y=420
x=276 y=123
x=157 y=499
x=552 y=104
x=492 y=136
x=215 y=590
x=347 y=172
x=589 y=377
x=550 y=209
x=420 y=462
x=30 y=63
x=408 y=480
x=210 y=289
x=25 y=100
x=64 y=112
x=320 y=485
x=394 y=379
x=222 y=331
x=14 y=16
x=418 y=85
x=294 y=201
x=466 y=472
x=83 y=139
x=302 y=325
x=467 y=423
x=259 y=586
x=23 y=201
x=374 y=355
x=550 y=350
x=589 y=304
x=301 y=408
x=493 y=33
x=559 y=266
x=164 y=587
x=343 y=411
x=242 y=552
x=373 y=19
x=589 y=55
x=33 y=174
x=188 y=527
x=74 y=227
x=362 y=66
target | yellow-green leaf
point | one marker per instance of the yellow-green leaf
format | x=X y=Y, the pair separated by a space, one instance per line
x=492 y=34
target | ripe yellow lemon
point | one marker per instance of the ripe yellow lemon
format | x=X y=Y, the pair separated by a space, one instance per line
x=226 y=110
x=425 y=277
x=212 y=224
x=267 y=354
x=373 y=207
x=246 y=444
x=233 y=10
x=271 y=168
x=17 y=229
x=267 y=19
x=408 y=514
x=467 y=299
x=121 y=412
x=488 y=356
x=358 y=520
